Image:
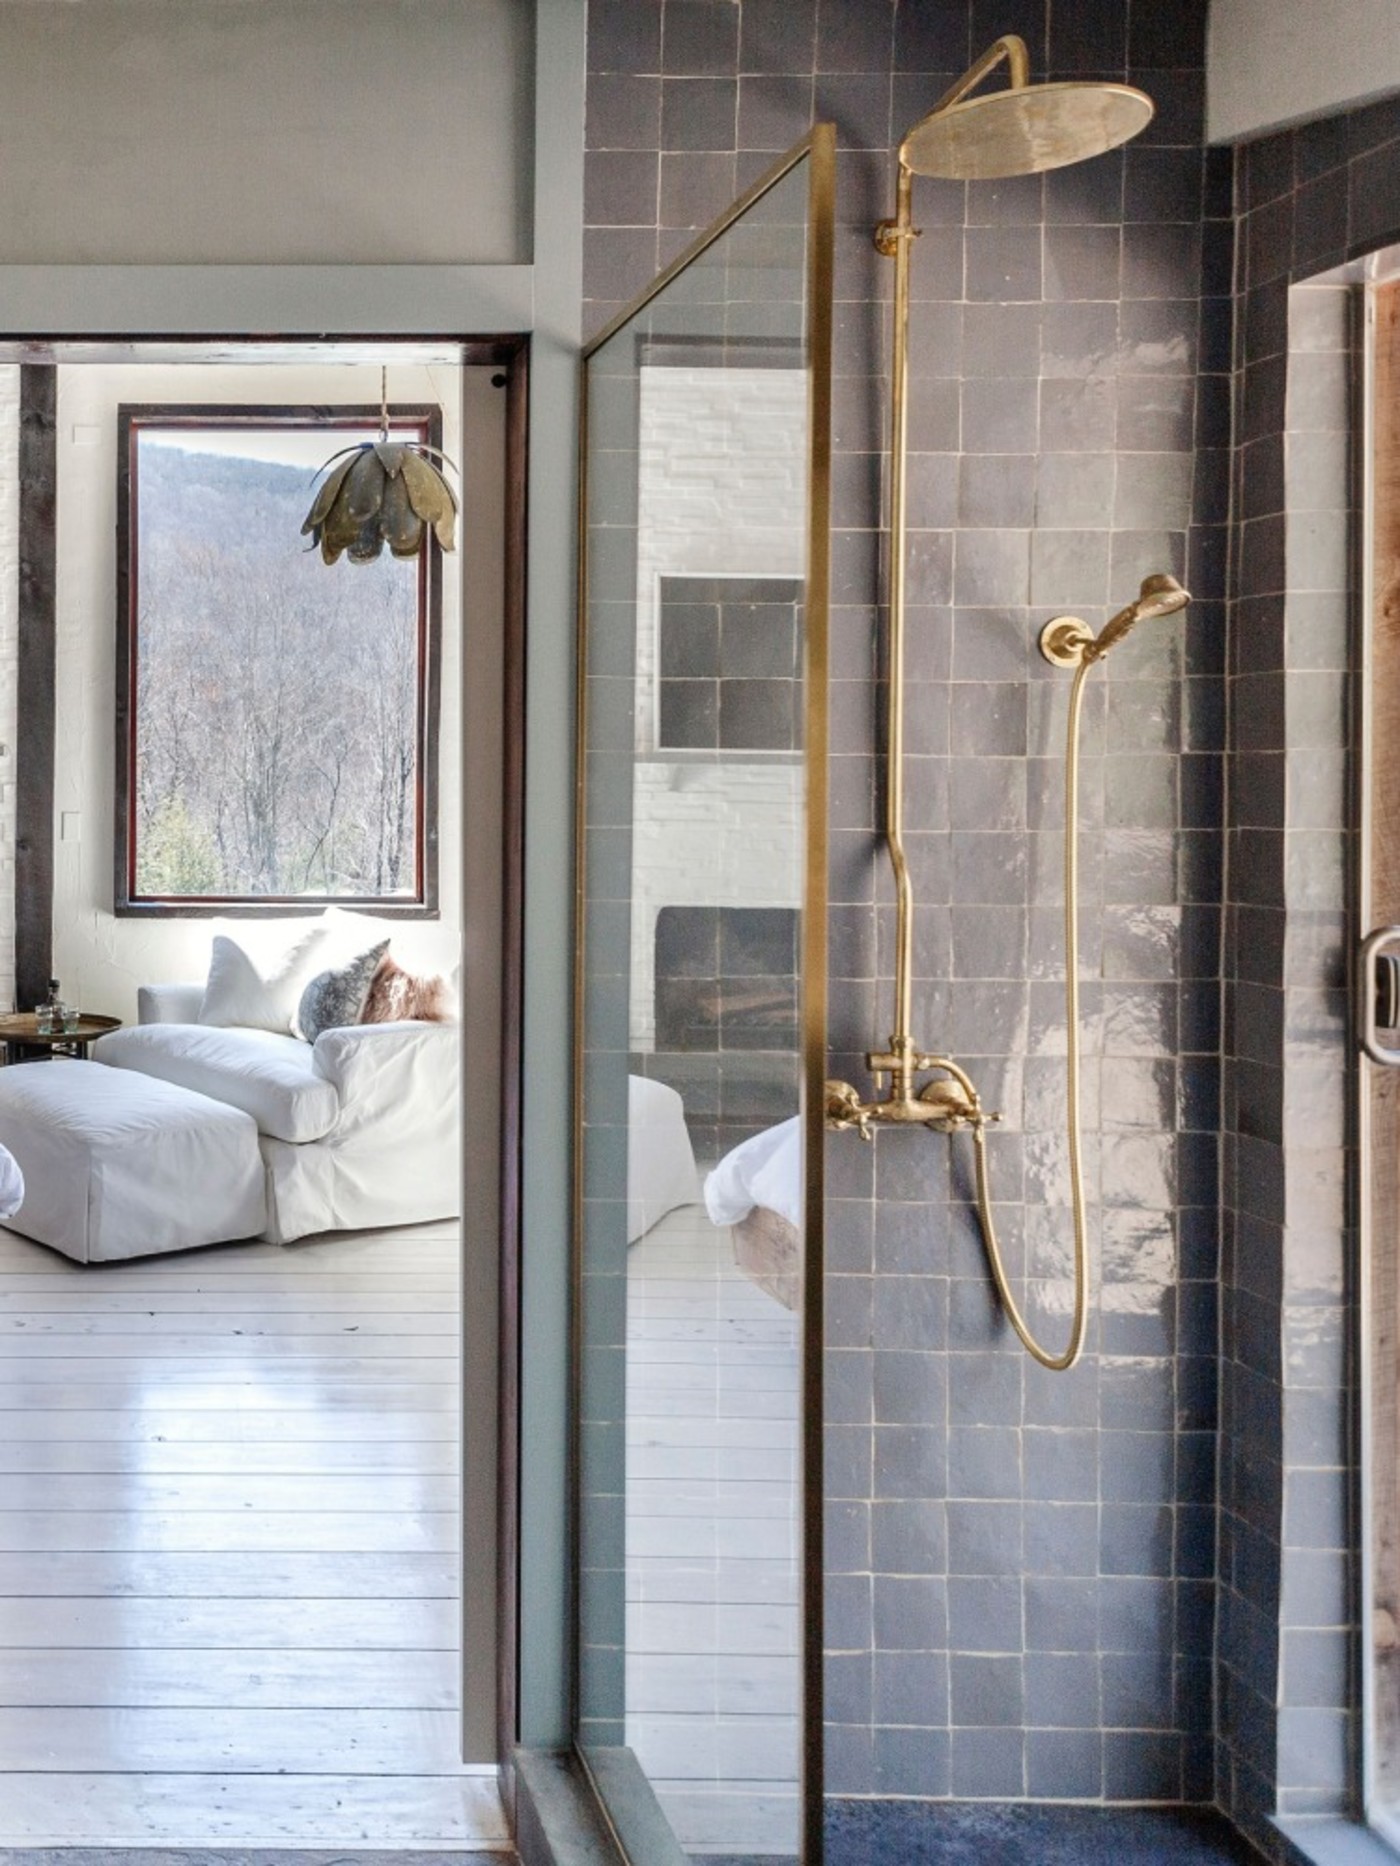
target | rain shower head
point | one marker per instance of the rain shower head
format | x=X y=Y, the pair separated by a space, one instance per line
x=1024 y=129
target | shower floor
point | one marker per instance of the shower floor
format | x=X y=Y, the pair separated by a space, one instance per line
x=901 y=1833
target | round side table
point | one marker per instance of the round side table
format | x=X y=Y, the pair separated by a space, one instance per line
x=21 y=1042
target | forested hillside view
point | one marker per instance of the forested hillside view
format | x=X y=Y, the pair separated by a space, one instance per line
x=277 y=696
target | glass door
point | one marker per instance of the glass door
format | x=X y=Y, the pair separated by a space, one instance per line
x=700 y=1036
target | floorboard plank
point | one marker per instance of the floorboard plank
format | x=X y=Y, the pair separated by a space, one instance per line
x=310 y=1493
x=202 y=1811
x=180 y=1574
x=175 y=1422
x=84 y=1740
x=216 y=1680
x=100 y=1625
x=158 y=1456
x=227 y=1532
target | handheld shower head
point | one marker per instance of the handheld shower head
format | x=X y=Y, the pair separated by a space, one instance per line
x=1065 y=641
x=1160 y=595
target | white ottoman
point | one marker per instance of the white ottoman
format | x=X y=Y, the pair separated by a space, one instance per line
x=117 y=1164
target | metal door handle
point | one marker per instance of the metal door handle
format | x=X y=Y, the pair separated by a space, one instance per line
x=1378 y=994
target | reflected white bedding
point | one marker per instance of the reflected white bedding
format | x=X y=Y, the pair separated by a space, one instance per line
x=660 y=1159
x=766 y=1170
x=11 y=1185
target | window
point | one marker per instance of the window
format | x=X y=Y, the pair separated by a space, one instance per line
x=277 y=717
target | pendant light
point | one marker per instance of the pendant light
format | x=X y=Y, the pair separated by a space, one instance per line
x=382 y=492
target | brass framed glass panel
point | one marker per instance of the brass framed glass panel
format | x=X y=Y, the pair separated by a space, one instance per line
x=700 y=1036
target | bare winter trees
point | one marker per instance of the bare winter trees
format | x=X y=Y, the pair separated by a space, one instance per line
x=277 y=700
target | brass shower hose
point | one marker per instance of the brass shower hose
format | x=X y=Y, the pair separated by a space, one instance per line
x=1057 y=1363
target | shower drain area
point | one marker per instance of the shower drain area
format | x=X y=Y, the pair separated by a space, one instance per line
x=904 y=1833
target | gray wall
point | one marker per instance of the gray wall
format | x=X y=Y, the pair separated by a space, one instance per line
x=1271 y=62
x=1020 y=1593
x=224 y=132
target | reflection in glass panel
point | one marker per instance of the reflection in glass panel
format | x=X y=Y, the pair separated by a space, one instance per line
x=697 y=461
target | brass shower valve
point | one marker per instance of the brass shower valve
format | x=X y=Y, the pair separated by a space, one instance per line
x=945 y=1105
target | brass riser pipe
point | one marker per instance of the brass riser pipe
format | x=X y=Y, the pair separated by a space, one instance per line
x=903 y=234
x=1028 y=129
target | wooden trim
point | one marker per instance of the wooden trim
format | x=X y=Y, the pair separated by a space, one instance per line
x=1380 y=1088
x=244 y=347
x=132 y=418
x=428 y=776
x=512 y=1054
x=36 y=715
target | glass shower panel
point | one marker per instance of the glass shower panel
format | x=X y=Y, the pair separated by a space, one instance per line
x=698 y=659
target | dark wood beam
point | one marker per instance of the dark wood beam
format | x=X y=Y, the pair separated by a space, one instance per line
x=36 y=717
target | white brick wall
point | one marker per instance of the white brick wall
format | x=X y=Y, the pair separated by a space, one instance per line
x=722 y=493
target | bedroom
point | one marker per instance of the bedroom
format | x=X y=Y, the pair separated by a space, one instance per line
x=232 y=1531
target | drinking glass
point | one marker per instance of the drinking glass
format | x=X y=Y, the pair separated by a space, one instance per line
x=43 y=1019
x=71 y=1017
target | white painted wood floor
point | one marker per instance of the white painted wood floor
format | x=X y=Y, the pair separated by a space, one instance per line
x=229 y=1549
x=713 y=1643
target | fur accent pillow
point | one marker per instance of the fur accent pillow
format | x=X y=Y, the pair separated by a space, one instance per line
x=397 y=996
x=337 y=997
x=257 y=993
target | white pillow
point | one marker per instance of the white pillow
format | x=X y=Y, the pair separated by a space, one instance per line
x=260 y=994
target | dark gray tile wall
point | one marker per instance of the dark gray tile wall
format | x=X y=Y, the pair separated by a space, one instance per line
x=1308 y=201
x=730 y=664
x=1020 y=1596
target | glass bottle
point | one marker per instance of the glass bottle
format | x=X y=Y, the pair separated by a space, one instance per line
x=46 y=1012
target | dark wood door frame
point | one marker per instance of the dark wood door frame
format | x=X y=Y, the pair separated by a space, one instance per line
x=35 y=750
x=35 y=715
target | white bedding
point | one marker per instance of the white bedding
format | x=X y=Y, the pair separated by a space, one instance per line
x=766 y=1170
x=11 y=1185
x=660 y=1160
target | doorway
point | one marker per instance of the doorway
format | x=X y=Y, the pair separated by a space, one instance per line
x=181 y=1651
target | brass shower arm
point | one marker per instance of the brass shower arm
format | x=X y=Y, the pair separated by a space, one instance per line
x=1010 y=48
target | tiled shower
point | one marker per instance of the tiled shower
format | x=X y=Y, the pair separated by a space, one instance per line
x=1045 y=1588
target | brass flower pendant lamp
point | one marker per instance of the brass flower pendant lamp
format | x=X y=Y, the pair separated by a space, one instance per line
x=382 y=492
x=1021 y=130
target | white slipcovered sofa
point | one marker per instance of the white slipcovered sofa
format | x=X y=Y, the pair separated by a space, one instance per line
x=356 y=1130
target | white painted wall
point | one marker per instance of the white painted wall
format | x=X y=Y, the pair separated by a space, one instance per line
x=266 y=132
x=722 y=492
x=1272 y=62
x=100 y=959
